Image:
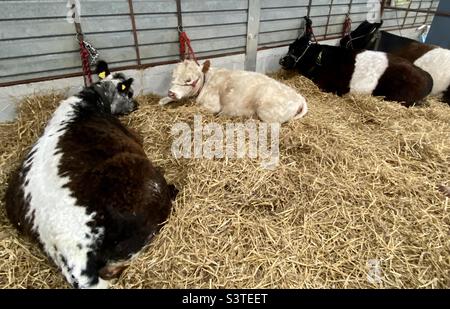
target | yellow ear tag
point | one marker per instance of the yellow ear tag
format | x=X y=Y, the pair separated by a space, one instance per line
x=102 y=75
x=123 y=87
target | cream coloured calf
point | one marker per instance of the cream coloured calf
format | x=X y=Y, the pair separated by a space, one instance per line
x=235 y=93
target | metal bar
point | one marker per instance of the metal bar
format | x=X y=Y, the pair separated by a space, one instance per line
x=80 y=38
x=179 y=16
x=383 y=4
x=133 y=26
x=253 y=17
x=406 y=14
x=309 y=8
x=321 y=38
x=436 y=13
x=350 y=7
x=180 y=27
x=417 y=13
x=428 y=13
x=328 y=18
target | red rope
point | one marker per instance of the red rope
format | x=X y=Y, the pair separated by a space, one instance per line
x=347 y=26
x=185 y=42
x=84 y=54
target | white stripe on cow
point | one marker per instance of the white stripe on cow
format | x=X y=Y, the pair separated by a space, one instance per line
x=437 y=63
x=60 y=223
x=369 y=67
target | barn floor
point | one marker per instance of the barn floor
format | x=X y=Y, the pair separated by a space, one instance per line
x=352 y=204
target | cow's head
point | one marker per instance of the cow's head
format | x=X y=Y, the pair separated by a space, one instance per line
x=297 y=53
x=363 y=37
x=187 y=79
x=297 y=49
x=116 y=89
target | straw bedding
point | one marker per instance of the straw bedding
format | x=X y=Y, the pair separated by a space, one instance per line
x=357 y=181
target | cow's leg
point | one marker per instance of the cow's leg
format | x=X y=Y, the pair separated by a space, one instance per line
x=165 y=101
x=212 y=103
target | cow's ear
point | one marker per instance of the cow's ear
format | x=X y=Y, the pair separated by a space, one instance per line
x=102 y=69
x=206 y=66
x=125 y=85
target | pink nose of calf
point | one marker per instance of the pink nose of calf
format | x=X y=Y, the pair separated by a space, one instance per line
x=172 y=95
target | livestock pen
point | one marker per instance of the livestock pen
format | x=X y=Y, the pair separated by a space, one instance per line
x=353 y=202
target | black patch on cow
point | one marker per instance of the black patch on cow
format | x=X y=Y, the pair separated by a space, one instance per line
x=63 y=261
x=30 y=154
x=92 y=267
x=329 y=67
x=413 y=51
x=120 y=76
x=95 y=102
x=446 y=97
x=403 y=82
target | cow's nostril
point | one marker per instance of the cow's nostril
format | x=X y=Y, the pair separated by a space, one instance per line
x=172 y=95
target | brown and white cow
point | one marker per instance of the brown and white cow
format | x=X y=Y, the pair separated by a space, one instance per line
x=433 y=59
x=86 y=191
x=235 y=93
x=339 y=70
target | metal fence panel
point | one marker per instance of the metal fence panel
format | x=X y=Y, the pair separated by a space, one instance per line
x=36 y=34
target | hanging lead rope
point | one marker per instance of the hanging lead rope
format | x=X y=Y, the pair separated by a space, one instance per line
x=89 y=56
x=88 y=53
x=84 y=54
x=347 y=28
x=186 y=51
x=308 y=28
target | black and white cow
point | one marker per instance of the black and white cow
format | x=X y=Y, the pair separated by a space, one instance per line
x=432 y=59
x=339 y=70
x=86 y=191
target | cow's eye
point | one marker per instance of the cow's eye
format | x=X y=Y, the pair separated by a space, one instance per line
x=188 y=81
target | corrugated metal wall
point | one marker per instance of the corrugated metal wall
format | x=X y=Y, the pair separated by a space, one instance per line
x=280 y=20
x=37 y=41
